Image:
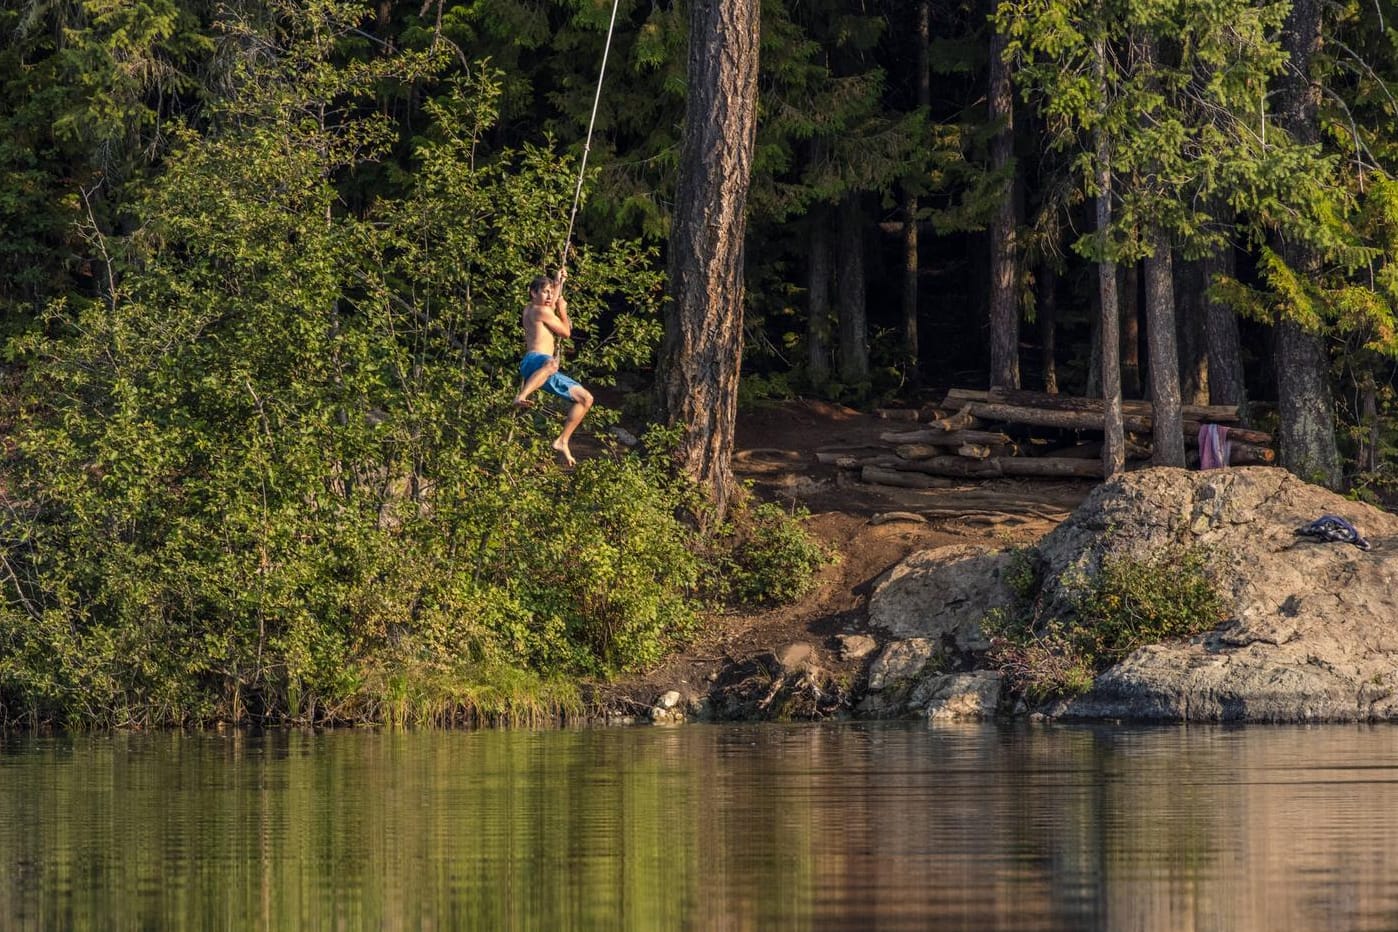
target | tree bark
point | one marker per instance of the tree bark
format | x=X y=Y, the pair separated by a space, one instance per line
x=1304 y=401
x=1167 y=439
x=1194 y=349
x=1130 y=330
x=849 y=294
x=910 y=267
x=1226 y=383
x=1114 y=436
x=1306 y=434
x=923 y=26
x=1004 y=310
x=1093 y=388
x=818 y=302
x=1369 y=424
x=1048 y=326
x=701 y=353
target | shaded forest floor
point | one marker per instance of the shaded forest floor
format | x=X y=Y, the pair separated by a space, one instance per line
x=868 y=528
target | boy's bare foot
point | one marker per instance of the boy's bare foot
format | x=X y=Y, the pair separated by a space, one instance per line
x=564 y=453
x=523 y=402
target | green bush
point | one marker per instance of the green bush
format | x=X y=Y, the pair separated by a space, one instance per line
x=1126 y=604
x=766 y=557
x=274 y=473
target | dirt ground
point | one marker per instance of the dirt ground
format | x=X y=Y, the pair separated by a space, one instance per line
x=868 y=528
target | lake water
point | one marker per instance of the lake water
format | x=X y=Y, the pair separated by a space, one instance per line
x=707 y=827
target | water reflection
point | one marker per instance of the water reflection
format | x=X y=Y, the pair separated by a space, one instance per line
x=723 y=827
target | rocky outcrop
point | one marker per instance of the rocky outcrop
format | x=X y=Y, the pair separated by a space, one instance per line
x=942 y=595
x=1312 y=627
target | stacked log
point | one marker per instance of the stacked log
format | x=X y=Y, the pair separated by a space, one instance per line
x=978 y=440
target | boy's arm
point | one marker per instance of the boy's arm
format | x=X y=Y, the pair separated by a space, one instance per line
x=558 y=322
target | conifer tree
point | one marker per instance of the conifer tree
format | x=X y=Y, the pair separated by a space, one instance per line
x=700 y=358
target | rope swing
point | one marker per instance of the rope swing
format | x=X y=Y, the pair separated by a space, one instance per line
x=587 y=145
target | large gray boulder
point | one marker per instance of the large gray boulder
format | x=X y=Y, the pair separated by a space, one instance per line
x=943 y=594
x=1312 y=632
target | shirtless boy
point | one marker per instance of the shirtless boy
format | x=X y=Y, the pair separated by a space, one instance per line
x=544 y=319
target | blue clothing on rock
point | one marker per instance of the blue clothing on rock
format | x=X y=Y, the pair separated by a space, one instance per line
x=558 y=383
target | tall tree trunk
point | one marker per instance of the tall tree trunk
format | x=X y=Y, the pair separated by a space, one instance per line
x=1048 y=326
x=1369 y=423
x=1194 y=350
x=1004 y=310
x=849 y=294
x=1113 y=434
x=1130 y=330
x=1226 y=383
x=910 y=267
x=1093 y=389
x=923 y=26
x=1307 y=432
x=818 y=301
x=1168 y=432
x=701 y=354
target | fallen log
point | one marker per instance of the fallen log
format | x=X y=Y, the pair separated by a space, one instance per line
x=1092 y=449
x=1243 y=434
x=833 y=457
x=887 y=460
x=939 y=438
x=1219 y=414
x=1250 y=454
x=926 y=450
x=997 y=466
x=1048 y=417
x=961 y=420
x=904 y=480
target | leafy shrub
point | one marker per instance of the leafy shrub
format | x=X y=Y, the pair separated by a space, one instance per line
x=274 y=474
x=1127 y=603
x=766 y=556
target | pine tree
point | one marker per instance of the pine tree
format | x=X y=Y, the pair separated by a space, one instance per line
x=700 y=357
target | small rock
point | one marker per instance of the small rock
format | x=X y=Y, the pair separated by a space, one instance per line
x=662 y=716
x=856 y=646
x=624 y=436
x=794 y=657
x=959 y=696
x=900 y=660
x=669 y=699
x=896 y=414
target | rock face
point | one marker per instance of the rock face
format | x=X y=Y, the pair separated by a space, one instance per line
x=942 y=594
x=958 y=696
x=1314 y=629
x=1312 y=632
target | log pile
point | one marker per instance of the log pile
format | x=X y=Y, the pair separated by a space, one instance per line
x=989 y=434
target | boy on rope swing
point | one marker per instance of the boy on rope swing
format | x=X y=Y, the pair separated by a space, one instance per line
x=544 y=318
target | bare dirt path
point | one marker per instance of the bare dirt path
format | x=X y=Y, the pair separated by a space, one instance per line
x=868 y=528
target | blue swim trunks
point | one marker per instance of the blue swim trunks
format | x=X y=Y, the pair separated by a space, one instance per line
x=558 y=383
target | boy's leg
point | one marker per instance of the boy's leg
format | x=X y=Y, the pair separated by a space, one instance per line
x=582 y=403
x=536 y=379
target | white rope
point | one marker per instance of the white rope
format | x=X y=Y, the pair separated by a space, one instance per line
x=587 y=146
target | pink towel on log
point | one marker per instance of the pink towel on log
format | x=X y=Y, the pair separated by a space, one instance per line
x=1213 y=446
